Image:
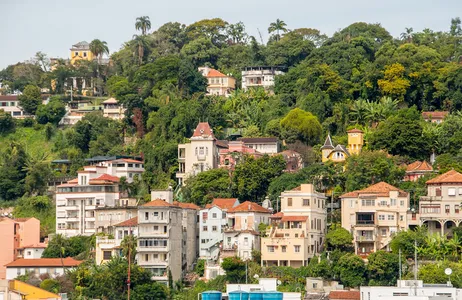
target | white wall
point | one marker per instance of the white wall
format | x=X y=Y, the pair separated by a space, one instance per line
x=12 y=272
x=33 y=253
x=210 y=235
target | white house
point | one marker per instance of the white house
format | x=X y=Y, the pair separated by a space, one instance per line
x=52 y=266
x=32 y=251
x=265 y=145
x=259 y=76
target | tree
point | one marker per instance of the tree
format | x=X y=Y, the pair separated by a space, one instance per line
x=30 y=99
x=12 y=173
x=140 y=43
x=235 y=269
x=339 y=238
x=352 y=270
x=304 y=124
x=205 y=186
x=99 y=48
x=6 y=122
x=383 y=268
x=50 y=285
x=394 y=83
x=277 y=26
x=407 y=35
x=52 y=113
x=143 y=23
x=128 y=246
x=405 y=240
x=154 y=291
x=40 y=207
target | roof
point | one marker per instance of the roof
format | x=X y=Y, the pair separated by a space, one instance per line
x=248 y=206
x=44 y=262
x=22 y=219
x=222 y=144
x=448 y=177
x=378 y=189
x=340 y=295
x=186 y=205
x=419 y=166
x=81 y=45
x=37 y=246
x=9 y=97
x=341 y=148
x=158 y=203
x=203 y=129
x=110 y=101
x=294 y=219
x=128 y=223
x=355 y=130
x=278 y=215
x=105 y=178
x=259 y=140
x=215 y=73
x=328 y=143
x=434 y=114
x=223 y=203
x=129 y=160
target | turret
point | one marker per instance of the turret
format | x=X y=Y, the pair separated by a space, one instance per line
x=327 y=148
x=355 y=141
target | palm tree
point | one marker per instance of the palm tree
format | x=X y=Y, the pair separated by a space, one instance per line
x=99 y=48
x=407 y=35
x=143 y=23
x=277 y=26
x=358 y=111
x=128 y=246
x=140 y=44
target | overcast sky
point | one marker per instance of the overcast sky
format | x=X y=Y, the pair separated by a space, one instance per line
x=52 y=26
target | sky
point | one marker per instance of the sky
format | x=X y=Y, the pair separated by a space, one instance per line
x=53 y=26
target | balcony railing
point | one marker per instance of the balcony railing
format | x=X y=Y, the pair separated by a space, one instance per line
x=365 y=222
x=365 y=238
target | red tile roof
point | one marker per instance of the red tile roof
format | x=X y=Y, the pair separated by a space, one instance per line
x=382 y=189
x=248 y=206
x=223 y=203
x=419 y=166
x=129 y=160
x=9 y=97
x=294 y=219
x=203 y=129
x=448 y=177
x=215 y=73
x=128 y=223
x=75 y=180
x=38 y=246
x=277 y=215
x=434 y=114
x=355 y=130
x=44 y=262
x=105 y=177
x=158 y=203
x=344 y=295
x=186 y=205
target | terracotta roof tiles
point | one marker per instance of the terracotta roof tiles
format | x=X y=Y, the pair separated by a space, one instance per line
x=128 y=223
x=215 y=73
x=203 y=129
x=448 y=177
x=378 y=189
x=223 y=203
x=434 y=114
x=186 y=205
x=105 y=177
x=344 y=295
x=248 y=206
x=355 y=130
x=419 y=166
x=44 y=262
x=294 y=219
x=158 y=203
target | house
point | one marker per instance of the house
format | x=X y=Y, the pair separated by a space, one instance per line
x=294 y=161
x=373 y=215
x=264 y=145
x=297 y=233
x=212 y=221
x=15 y=234
x=200 y=154
x=417 y=169
x=95 y=189
x=241 y=234
x=260 y=76
x=439 y=210
x=10 y=104
x=233 y=154
x=218 y=83
x=113 y=110
x=15 y=289
x=39 y=266
x=340 y=153
x=32 y=251
x=435 y=116
x=81 y=51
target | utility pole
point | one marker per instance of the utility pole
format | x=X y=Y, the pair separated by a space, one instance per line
x=129 y=261
x=246 y=270
x=400 y=266
x=331 y=207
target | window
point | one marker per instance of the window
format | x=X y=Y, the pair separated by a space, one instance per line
x=383 y=232
x=289 y=201
x=223 y=215
x=352 y=203
x=214 y=216
x=393 y=202
x=447 y=209
x=29 y=252
x=270 y=249
x=76 y=53
x=306 y=202
x=284 y=248
x=214 y=228
x=381 y=217
x=401 y=203
x=383 y=203
x=201 y=150
x=460 y=191
x=156 y=214
x=204 y=216
x=451 y=191
x=297 y=248
x=204 y=228
x=401 y=218
x=456 y=209
x=431 y=209
x=368 y=202
x=85 y=54
x=246 y=241
x=156 y=228
x=391 y=217
x=107 y=255
x=146 y=216
x=146 y=257
x=203 y=241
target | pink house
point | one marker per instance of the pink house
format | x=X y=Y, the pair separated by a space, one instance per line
x=16 y=234
x=417 y=169
x=230 y=156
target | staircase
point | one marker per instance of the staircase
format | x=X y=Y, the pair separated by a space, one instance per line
x=210 y=244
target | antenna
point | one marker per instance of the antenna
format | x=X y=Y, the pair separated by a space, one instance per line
x=261 y=37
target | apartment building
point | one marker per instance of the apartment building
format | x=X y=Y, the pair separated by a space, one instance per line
x=212 y=221
x=296 y=233
x=373 y=215
x=190 y=223
x=264 y=145
x=106 y=217
x=15 y=234
x=241 y=234
x=218 y=83
x=260 y=76
x=200 y=154
x=160 y=239
x=439 y=210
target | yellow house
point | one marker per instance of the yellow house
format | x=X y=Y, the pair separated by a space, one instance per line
x=30 y=292
x=340 y=153
x=80 y=51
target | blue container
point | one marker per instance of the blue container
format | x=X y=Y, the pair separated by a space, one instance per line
x=257 y=295
x=211 y=295
x=238 y=295
x=272 y=296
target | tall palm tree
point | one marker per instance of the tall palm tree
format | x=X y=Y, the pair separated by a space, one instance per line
x=140 y=44
x=99 y=48
x=143 y=23
x=407 y=34
x=277 y=26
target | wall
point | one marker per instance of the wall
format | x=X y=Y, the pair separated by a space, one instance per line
x=210 y=235
x=7 y=250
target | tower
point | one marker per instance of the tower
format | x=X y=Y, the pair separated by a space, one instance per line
x=327 y=148
x=355 y=141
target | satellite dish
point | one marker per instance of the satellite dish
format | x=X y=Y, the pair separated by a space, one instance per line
x=448 y=271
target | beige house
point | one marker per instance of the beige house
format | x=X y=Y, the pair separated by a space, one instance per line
x=297 y=232
x=112 y=109
x=108 y=216
x=373 y=215
x=218 y=83
x=440 y=209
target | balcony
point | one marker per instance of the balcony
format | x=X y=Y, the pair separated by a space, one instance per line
x=431 y=198
x=152 y=249
x=71 y=207
x=288 y=233
x=365 y=238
